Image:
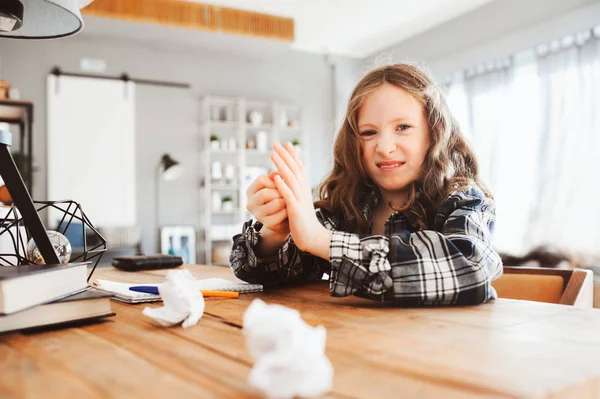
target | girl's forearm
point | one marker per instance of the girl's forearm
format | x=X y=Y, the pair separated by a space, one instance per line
x=320 y=244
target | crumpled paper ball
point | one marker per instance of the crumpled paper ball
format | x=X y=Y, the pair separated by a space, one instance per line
x=182 y=300
x=289 y=354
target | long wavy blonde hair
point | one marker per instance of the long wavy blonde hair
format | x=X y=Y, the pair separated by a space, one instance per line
x=449 y=163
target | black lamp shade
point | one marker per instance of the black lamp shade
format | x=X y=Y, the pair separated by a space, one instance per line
x=40 y=19
x=170 y=169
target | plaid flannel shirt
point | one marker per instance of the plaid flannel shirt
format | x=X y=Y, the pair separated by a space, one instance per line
x=449 y=263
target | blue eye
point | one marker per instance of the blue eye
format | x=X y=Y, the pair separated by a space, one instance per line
x=402 y=127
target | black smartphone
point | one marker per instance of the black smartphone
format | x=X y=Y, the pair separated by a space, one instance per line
x=146 y=262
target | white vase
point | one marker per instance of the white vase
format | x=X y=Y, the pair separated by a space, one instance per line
x=227 y=206
x=229 y=172
x=255 y=118
x=261 y=141
x=214 y=145
x=216 y=170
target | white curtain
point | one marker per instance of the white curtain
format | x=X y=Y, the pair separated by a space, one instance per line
x=568 y=189
x=534 y=125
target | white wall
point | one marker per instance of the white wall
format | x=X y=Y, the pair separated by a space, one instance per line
x=498 y=29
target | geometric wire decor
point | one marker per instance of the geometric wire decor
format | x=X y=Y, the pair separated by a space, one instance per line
x=73 y=223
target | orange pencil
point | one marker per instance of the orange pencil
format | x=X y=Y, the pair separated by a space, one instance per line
x=222 y=294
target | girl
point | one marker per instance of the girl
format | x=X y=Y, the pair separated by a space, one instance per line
x=402 y=217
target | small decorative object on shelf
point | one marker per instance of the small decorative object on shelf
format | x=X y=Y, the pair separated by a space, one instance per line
x=214 y=142
x=261 y=141
x=294 y=123
x=229 y=172
x=4 y=89
x=74 y=228
x=296 y=144
x=255 y=118
x=216 y=170
x=14 y=93
x=250 y=144
x=61 y=245
x=215 y=113
x=227 y=204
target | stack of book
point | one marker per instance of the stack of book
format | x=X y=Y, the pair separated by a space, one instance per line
x=35 y=296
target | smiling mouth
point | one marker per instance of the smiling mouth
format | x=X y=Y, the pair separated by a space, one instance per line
x=388 y=166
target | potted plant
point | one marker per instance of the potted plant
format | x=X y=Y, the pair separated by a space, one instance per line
x=296 y=144
x=214 y=142
x=227 y=203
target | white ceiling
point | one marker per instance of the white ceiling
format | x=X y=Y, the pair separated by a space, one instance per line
x=356 y=28
x=172 y=38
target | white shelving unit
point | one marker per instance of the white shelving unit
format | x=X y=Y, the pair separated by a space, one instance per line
x=228 y=119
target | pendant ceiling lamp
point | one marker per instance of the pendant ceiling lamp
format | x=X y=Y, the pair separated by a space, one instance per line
x=40 y=19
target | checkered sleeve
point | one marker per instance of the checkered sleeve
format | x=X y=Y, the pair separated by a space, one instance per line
x=453 y=264
x=287 y=264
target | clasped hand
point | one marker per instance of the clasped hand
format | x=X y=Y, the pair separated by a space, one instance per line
x=282 y=201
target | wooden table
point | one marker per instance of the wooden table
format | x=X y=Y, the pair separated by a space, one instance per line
x=503 y=349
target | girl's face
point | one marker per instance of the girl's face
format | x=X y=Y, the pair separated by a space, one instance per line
x=394 y=138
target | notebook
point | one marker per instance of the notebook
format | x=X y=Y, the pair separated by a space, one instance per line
x=121 y=291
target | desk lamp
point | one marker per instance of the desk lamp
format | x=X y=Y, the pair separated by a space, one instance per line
x=168 y=169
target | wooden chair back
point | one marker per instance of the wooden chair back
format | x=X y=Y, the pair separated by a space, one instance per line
x=561 y=286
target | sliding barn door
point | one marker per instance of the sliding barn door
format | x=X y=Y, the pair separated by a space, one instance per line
x=91 y=148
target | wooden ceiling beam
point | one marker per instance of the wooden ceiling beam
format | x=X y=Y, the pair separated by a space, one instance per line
x=191 y=15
